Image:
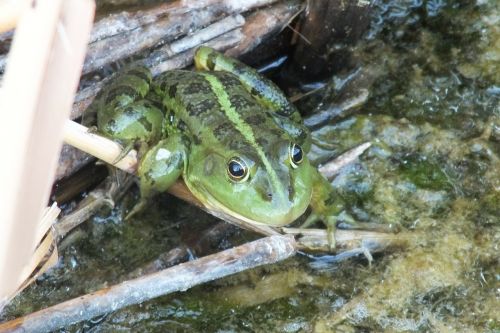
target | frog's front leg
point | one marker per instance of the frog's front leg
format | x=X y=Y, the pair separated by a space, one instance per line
x=160 y=167
x=326 y=206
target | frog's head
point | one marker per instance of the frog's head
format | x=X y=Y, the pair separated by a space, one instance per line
x=266 y=185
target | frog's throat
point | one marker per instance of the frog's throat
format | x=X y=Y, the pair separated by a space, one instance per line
x=212 y=204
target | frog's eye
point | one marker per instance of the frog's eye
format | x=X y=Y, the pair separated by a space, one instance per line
x=237 y=170
x=296 y=155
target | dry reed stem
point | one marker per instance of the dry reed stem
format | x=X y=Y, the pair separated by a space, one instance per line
x=10 y=11
x=104 y=149
x=56 y=31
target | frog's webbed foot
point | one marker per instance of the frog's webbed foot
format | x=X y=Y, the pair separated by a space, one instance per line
x=124 y=152
x=93 y=129
x=331 y=226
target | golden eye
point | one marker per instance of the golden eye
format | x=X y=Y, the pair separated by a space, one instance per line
x=237 y=170
x=296 y=155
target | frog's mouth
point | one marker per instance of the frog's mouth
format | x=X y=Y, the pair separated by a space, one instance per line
x=220 y=210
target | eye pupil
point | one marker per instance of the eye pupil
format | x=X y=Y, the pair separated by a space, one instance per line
x=237 y=169
x=296 y=154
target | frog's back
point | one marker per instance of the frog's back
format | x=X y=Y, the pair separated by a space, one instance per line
x=214 y=107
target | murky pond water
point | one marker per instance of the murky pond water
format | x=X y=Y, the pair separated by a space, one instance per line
x=433 y=117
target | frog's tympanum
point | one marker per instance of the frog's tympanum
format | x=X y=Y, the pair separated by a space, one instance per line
x=230 y=133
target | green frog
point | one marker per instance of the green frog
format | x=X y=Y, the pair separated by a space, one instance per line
x=230 y=133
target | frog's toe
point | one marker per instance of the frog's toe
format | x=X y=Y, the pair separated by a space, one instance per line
x=311 y=219
x=137 y=209
x=331 y=228
x=123 y=153
x=93 y=130
x=348 y=223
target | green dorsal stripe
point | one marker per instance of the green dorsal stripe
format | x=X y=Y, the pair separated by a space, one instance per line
x=243 y=128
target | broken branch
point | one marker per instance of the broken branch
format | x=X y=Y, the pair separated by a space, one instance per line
x=178 y=278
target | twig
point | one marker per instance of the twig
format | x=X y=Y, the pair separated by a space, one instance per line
x=202 y=36
x=338 y=111
x=263 y=23
x=121 y=35
x=178 y=278
x=332 y=168
x=176 y=60
x=104 y=196
x=104 y=149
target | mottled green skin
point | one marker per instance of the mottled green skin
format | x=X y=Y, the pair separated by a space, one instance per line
x=204 y=118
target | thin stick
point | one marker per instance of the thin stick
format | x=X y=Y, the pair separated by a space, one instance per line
x=158 y=63
x=104 y=149
x=263 y=23
x=178 y=278
x=332 y=168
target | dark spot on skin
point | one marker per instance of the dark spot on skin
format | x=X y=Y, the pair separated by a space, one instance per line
x=240 y=101
x=222 y=130
x=146 y=123
x=255 y=119
x=172 y=91
x=236 y=145
x=276 y=132
x=111 y=124
x=262 y=142
x=163 y=84
x=239 y=69
x=199 y=87
x=196 y=109
x=181 y=125
x=141 y=73
x=196 y=139
x=211 y=61
x=207 y=104
x=330 y=200
x=119 y=91
x=228 y=80
x=129 y=110
x=148 y=177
